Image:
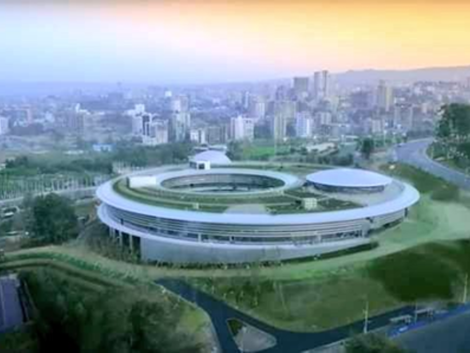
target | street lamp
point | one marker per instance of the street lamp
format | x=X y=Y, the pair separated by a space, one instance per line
x=366 y=317
x=465 y=289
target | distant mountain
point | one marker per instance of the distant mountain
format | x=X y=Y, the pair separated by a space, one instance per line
x=368 y=77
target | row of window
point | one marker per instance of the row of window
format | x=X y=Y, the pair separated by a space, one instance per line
x=298 y=240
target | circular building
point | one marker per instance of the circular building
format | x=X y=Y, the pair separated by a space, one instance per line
x=349 y=180
x=235 y=213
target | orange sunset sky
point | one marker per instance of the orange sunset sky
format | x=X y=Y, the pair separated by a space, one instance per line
x=205 y=41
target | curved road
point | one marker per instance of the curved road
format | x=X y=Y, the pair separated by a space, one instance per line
x=414 y=154
x=286 y=341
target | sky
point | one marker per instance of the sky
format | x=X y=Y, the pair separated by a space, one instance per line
x=205 y=41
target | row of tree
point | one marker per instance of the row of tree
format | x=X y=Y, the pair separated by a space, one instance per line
x=49 y=219
x=124 y=152
x=453 y=134
x=71 y=319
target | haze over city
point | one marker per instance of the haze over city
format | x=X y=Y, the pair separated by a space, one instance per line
x=229 y=176
x=217 y=41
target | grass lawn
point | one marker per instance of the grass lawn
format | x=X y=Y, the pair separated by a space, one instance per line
x=421 y=259
x=451 y=164
x=304 y=305
x=439 y=152
x=253 y=152
x=427 y=272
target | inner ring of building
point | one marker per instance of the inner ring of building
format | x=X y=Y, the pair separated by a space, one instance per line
x=227 y=183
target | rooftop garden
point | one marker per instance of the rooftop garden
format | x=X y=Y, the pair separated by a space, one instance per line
x=274 y=202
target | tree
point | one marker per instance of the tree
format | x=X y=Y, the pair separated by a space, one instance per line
x=52 y=219
x=61 y=315
x=139 y=326
x=453 y=133
x=372 y=343
x=57 y=136
x=73 y=319
x=151 y=330
x=367 y=147
x=235 y=151
x=455 y=122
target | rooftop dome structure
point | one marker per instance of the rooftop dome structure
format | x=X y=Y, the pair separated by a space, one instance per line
x=214 y=157
x=347 y=178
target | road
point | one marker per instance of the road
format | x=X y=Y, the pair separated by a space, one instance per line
x=449 y=336
x=414 y=153
x=287 y=341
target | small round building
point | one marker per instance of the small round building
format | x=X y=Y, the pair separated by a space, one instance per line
x=243 y=212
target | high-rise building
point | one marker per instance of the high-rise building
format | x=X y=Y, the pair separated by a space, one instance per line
x=246 y=99
x=375 y=126
x=139 y=109
x=157 y=132
x=249 y=128
x=216 y=134
x=137 y=125
x=286 y=108
x=160 y=129
x=237 y=128
x=179 y=104
x=180 y=126
x=321 y=85
x=278 y=127
x=324 y=118
x=137 y=119
x=304 y=125
x=257 y=108
x=301 y=86
x=146 y=121
x=198 y=136
x=76 y=123
x=242 y=128
x=4 y=125
x=384 y=96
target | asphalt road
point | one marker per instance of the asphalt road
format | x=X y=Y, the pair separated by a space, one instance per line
x=287 y=341
x=446 y=336
x=414 y=153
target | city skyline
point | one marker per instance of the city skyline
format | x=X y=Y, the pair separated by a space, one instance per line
x=206 y=42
